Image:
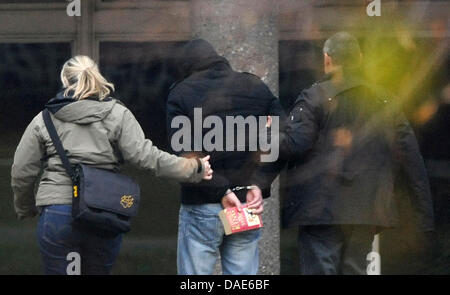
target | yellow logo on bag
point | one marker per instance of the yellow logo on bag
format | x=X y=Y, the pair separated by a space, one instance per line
x=75 y=191
x=126 y=201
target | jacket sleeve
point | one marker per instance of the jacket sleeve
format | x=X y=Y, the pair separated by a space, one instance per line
x=302 y=128
x=408 y=157
x=142 y=153
x=275 y=108
x=296 y=137
x=25 y=171
x=218 y=183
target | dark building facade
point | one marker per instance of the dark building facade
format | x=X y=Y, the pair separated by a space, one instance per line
x=136 y=44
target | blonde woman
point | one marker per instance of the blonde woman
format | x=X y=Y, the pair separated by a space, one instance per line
x=96 y=130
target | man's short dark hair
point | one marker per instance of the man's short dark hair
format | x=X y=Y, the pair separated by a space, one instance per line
x=344 y=49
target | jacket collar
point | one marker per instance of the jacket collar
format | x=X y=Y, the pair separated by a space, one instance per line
x=59 y=101
x=332 y=89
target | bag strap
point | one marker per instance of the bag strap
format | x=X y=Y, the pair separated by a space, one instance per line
x=57 y=143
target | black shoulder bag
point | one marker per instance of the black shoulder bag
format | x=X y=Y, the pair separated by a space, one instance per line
x=101 y=199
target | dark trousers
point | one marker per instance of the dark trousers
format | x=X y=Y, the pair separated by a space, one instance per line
x=334 y=249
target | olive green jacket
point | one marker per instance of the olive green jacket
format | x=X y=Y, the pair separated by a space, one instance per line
x=98 y=133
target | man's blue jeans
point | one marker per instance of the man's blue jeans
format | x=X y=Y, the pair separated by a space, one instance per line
x=57 y=238
x=201 y=238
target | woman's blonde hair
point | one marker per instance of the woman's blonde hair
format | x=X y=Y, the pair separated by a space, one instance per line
x=80 y=75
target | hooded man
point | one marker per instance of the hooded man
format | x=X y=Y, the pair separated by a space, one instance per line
x=212 y=86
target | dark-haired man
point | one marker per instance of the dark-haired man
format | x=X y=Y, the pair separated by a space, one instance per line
x=344 y=140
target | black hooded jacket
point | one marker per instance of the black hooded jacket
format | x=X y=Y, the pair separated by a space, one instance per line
x=211 y=84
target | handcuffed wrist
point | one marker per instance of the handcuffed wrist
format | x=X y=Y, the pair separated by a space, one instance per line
x=227 y=192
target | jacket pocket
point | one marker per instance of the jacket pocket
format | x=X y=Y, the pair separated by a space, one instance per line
x=204 y=228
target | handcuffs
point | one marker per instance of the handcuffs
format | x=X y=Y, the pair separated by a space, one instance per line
x=239 y=188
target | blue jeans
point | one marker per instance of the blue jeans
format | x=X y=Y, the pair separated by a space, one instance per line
x=57 y=238
x=201 y=238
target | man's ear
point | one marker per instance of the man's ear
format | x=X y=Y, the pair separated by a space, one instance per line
x=327 y=63
x=327 y=59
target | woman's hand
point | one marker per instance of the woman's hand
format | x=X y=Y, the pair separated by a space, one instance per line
x=269 y=121
x=208 y=171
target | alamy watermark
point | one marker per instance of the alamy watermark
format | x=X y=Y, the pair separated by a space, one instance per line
x=74 y=266
x=230 y=135
x=74 y=8
x=374 y=8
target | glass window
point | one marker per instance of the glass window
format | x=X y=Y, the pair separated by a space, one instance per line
x=31 y=1
x=29 y=77
x=142 y=73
